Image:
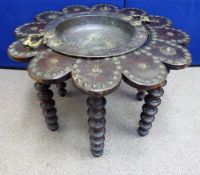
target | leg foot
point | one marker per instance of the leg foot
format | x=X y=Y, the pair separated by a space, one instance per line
x=61 y=89
x=96 y=122
x=152 y=101
x=140 y=95
x=48 y=105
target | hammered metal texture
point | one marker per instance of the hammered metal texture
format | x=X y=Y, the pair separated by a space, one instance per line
x=93 y=34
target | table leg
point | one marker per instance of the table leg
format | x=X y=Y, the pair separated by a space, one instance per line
x=48 y=105
x=61 y=89
x=96 y=122
x=152 y=101
x=140 y=95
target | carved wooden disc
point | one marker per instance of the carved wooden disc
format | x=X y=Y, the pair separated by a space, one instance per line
x=97 y=77
x=159 y=22
x=172 y=35
x=75 y=9
x=19 y=52
x=175 y=56
x=30 y=28
x=50 y=67
x=143 y=71
x=105 y=8
x=48 y=16
x=133 y=11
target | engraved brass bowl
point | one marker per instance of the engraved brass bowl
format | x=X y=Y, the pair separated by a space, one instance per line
x=95 y=34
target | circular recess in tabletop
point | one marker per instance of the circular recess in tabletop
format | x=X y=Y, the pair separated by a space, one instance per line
x=159 y=22
x=94 y=34
x=105 y=8
x=19 y=52
x=30 y=28
x=48 y=16
x=50 y=67
x=75 y=9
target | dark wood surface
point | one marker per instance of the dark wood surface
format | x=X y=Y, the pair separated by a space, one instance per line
x=152 y=101
x=48 y=105
x=97 y=77
x=105 y=8
x=145 y=69
x=140 y=95
x=75 y=9
x=133 y=11
x=48 y=16
x=51 y=67
x=61 y=89
x=159 y=29
x=30 y=28
x=96 y=122
x=159 y=22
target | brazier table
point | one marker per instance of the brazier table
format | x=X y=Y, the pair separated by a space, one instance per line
x=97 y=48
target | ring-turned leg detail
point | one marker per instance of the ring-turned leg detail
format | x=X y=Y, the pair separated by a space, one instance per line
x=152 y=101
x=61 y=89
x=96 y=122
x=140 y=95
x=48 y=105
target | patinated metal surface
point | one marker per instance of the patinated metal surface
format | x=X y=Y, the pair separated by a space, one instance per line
x=94 y=34
x=99 y=73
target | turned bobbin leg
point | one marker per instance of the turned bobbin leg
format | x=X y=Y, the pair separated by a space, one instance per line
x=61 y=89
x=140 y=95
x=96 y=113
x=152 y=101
x=48 y=105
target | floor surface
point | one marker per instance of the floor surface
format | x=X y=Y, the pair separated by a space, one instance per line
x=27 y=147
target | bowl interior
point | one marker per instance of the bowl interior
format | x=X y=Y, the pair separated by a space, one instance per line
x=95 y=32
